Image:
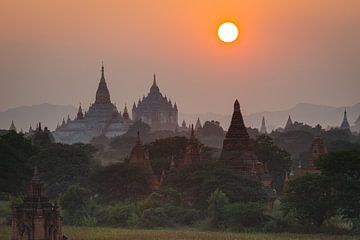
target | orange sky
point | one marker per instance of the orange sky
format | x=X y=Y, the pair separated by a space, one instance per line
x=289 y=51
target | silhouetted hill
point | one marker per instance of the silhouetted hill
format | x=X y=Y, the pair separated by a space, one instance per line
x=48 y=114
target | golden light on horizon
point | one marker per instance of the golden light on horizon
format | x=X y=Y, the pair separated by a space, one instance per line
x=228 y=32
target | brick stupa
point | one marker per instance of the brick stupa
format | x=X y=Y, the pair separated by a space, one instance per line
x=238 y=151
x=138 y=157
x=192 y=152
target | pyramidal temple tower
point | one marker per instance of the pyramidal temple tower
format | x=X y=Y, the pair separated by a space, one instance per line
x=237 y=150
x=36 y=218
x=192 y=152
x=345 y=124
x=289 y=124
x=101 y=119
x=140 y=158
x=156 y=110
x=263 y=126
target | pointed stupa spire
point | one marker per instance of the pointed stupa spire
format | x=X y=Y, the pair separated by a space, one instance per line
x=80 y=114
x=31 y=129
x=289 y=123
x=12 y=126
x=263 y=126
x=198 y=124
x=175 y=107
x=192 y=131
x=102 y=93
x=126 y=113
x=154 y=88
x=345 y=124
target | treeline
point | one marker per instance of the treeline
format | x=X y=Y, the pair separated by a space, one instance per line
x=205 y=195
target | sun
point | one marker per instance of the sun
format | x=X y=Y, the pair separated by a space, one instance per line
x=228 y=32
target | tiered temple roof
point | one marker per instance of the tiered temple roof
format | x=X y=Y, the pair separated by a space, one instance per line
x=156 y=110
x=238 y=149
x=36 y=218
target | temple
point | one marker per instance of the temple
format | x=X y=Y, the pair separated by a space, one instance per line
x=289 y=124
x=156 y=110
x=192 y=152
x=316 y=150
x=102 y=118
x=140 y=158
x=12 y=126
x=198 y=125
x=237 y=151
x=345 y=124
x=263 y=126
x=36 y=218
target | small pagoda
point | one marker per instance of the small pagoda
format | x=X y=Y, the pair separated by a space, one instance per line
x=36 y=218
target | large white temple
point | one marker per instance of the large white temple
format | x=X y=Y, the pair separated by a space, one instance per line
x=102 y=118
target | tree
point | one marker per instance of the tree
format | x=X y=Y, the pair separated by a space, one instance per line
x=61 y=165
x=216 y=209
x=197 y=181
x=118 y=182
x=276 y=160
x=163 y=151
x=76 y=205
x=15 y=167
x=343 y=168
x=310 y=198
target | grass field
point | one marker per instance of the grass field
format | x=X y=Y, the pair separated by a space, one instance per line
x=83 y=233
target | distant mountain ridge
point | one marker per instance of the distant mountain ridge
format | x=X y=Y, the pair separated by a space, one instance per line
x=51 y=114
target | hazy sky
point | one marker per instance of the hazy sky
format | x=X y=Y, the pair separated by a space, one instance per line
x=289 y=51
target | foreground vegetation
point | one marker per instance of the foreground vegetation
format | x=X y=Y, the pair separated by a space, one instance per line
x=82 y=233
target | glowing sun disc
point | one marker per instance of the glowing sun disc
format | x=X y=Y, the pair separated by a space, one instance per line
x=228 y=32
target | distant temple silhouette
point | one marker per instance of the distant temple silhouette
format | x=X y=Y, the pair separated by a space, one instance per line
x=156 y=110
x=36 y=218
x=345 y=124
x=102 y=118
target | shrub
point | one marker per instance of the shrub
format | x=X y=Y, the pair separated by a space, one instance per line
x=216 y=209
x=240 y=215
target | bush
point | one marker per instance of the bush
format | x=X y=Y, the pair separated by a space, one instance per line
x=244 y=215
x=118 y=215
x=216 y=209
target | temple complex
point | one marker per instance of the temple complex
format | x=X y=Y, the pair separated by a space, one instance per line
x=345 y=124
x=263 y=126
x=102 y=118
x=192 y=152
x=156 y=110
x=36 y=218
x=237 y=151
x=140 y=158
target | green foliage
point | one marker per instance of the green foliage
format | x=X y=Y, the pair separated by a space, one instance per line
x=120 y=182
x=276 y=160
x=245 y=215
x=165 y=209
x=77 y=206
x=118 y=215
x=343 y=168
x=162 y=151
x=196 y=182
x=216 y=209
x=61 y=165
x=16 y=170
x=311 y=198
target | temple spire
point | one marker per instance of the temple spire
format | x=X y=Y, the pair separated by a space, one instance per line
x=154 y=88
x=192 y=131
x=263 y=126
x=102 y=93
x=12 y=126
x=345 y=124
x=289 y=123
